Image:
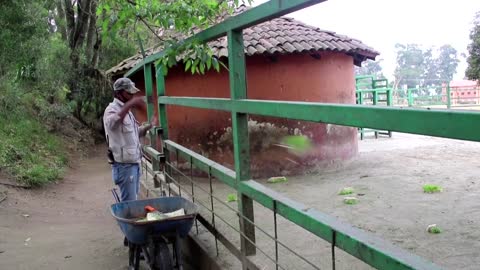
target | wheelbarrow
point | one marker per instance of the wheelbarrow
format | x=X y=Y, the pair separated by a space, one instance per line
x=153 y=237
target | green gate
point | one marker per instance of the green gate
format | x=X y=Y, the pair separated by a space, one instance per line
x=377 y=253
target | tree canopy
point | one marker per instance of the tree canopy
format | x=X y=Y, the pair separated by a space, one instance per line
x=473 y=60
x=370 y=67
x=417 y=66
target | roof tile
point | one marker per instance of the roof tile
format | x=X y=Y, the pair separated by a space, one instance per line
x=279 y=35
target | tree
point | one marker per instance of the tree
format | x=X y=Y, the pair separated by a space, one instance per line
x=23 y=31
x=370 y=68
x=473 y=60
x=447 y=63
x=170 y=22
x=419 y=67
x=410 y=65
x=93 y=27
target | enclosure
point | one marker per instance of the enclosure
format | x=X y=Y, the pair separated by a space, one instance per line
x=340 y=243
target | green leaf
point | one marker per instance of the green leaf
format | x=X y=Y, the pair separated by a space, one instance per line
x=429 y=188
x=202 y=68
x=209 y=62
x=164 y=70
x=188 y=65
x=216 y=65
x=277 y=179
x=350 y=200
x=195 y=64
x=346 y=191
x=232 y=197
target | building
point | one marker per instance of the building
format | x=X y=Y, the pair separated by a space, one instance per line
x=463 y=92
x=285 y=60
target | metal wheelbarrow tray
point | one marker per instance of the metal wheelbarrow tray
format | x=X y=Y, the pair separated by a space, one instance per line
x=126 y=213
x=152 y=237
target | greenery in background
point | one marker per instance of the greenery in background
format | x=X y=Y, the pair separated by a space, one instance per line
x=370 y=67
x=473 y=60
x=54 y=54
x=28 y=151
x=420 y=67
x=170 y=22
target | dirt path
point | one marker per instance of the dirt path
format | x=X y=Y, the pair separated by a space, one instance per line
x=68 y=225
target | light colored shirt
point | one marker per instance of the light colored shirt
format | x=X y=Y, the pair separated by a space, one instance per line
x=122 y=136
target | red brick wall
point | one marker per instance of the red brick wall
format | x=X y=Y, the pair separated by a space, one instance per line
x=288 y=77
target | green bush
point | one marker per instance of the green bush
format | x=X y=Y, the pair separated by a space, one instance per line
x=28 y=152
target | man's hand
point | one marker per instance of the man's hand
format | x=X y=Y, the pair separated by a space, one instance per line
x=137 y=101
x=154 y=121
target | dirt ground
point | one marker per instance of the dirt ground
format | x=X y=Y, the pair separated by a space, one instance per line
x=387 y=176
x=68 y=226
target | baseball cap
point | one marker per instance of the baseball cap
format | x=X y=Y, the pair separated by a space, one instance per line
x=125 y=84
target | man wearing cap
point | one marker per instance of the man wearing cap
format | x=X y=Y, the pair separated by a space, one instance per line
x=123 y=137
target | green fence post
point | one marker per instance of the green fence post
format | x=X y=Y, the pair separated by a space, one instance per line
x=238 y=90
x=148 y=76
x=449 y=98
x=147 y=71
x=162 y=117
x=389 y=97
x=409 y=97
x=389 y=103
x=375 y=101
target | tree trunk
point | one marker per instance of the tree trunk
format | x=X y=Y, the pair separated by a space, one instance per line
x=96 y=50
x=81 y=23
x=60 y=22
x=70 y=19
x=92 y=33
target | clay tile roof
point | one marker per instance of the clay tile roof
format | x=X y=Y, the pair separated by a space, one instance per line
x=281 y=35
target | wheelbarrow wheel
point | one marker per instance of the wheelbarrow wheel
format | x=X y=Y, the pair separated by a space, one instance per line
x=162 y=259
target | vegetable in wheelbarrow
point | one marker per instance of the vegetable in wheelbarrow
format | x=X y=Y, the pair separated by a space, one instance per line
x=153 y=214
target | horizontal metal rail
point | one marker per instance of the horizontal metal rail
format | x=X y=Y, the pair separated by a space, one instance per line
x=439 y=123
x=238 y=213
x=367 y=248
x=372 y=251
x=232 y=227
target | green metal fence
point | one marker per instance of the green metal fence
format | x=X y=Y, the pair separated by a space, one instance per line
x=433 y=96
x=377 y=253
x=372 y=91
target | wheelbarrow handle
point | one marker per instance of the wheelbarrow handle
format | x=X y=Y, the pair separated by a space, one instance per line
x=115 y=195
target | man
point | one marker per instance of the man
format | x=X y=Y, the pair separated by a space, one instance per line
x=123 y=137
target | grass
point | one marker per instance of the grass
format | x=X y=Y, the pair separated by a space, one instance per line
x=429 y=188
x=28 y=152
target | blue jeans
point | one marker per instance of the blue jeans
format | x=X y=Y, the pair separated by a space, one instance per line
x=127 y=177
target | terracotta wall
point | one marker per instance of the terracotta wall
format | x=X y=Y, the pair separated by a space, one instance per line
x=287 y=77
